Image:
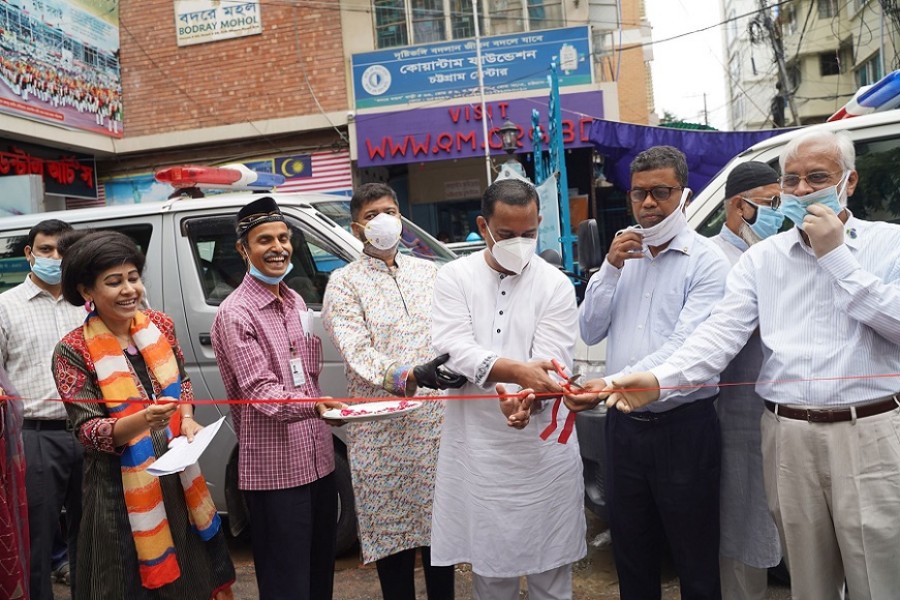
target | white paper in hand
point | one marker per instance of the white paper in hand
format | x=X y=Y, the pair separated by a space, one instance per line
x=181 y=454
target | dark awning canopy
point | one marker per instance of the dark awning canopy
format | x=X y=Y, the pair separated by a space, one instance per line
x=707 y=151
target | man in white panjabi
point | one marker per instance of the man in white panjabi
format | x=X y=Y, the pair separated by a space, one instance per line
x=506 y=501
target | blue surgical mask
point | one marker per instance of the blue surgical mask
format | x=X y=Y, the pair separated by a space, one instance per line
x=768 y=220
x=794 y=207
x=267 y=278
x=47 y=269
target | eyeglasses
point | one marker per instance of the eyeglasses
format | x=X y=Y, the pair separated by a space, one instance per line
x=815 y=179
x=773 y=202
x=660 y=193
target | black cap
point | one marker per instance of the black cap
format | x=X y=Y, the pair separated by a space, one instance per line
x=264 y=210
x=749 y=175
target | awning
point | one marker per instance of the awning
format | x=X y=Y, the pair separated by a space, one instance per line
x=707 y=151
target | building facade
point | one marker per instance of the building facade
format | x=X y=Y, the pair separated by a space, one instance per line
x=830 y=49
x=273 y=85
x=419 y=123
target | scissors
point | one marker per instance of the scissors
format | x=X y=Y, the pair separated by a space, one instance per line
x=568 y=382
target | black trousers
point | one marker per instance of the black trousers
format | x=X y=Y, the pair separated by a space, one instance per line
x=663 y=485
x=293 y=540
x=397 y=576
x=53 y=471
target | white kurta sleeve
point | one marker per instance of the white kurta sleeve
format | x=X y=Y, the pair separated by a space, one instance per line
x=452 y=330
x=554 y=336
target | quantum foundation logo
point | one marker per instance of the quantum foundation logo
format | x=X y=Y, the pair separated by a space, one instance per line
x=376 y=80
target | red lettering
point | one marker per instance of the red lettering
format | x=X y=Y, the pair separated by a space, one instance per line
x=420 y=148
x=568 y=131
x=400 y=148
x=377 y=150
x=454 y=114
x=496 y=142
x=444 y=142
x=466 y=138
x=584 y=124
x=503 y=109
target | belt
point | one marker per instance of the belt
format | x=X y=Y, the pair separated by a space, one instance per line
x=661 y=416
x=45 y=424
x=836 y=415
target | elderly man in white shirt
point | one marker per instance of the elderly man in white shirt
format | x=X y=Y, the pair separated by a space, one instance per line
x=506 y=501
x=826 y=299
x=658 y=283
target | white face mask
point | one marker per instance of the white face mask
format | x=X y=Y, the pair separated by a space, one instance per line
x=383 y=231
x=513 y=254
x=669 y=227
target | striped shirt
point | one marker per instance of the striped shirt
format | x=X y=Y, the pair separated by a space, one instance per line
x=32 y=321
x=829 y=326
x=650 y=306
x=255 y=335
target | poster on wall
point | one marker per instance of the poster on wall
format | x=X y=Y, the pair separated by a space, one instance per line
x=59 y=63
x=201 y=21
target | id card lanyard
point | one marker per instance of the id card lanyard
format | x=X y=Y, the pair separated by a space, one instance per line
x=298 y=374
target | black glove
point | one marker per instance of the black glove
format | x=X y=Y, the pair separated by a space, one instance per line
x=431 y=375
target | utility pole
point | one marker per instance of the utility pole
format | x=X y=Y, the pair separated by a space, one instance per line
x=774 y=32
x=484 y=115
x=705 y=112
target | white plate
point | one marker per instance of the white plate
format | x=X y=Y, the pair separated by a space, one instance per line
x=373 y=411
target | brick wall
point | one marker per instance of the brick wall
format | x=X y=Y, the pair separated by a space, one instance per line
x=170 y=88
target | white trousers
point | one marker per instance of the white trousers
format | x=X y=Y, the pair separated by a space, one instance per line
x=834 y=490
x=742 y=582
x=555 y=584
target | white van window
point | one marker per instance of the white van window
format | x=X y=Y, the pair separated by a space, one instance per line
x=877 y=197
x=13 y=266
x=221 y=269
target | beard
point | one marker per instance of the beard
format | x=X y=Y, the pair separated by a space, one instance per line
x=747 y=234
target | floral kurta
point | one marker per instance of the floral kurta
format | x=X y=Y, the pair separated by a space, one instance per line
x=380 y=321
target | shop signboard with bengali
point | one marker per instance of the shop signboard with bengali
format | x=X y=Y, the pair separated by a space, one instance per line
x=448 y=70
x=201 y=21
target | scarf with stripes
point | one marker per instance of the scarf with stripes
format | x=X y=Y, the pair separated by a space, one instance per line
x=124 y=396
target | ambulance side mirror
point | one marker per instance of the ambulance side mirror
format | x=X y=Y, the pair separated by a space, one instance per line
x=590 y=252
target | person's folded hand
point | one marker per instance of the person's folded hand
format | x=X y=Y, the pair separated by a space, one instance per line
x=516 y=407
x=628 y=392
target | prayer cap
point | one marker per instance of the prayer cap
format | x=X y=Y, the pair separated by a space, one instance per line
x=749 y=175
x=264 y=210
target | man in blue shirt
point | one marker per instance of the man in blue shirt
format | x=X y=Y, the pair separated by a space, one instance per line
x=659 y=281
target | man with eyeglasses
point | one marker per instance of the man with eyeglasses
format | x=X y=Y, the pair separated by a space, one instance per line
x=826 y=299
x=748 y=543
x=659 y=281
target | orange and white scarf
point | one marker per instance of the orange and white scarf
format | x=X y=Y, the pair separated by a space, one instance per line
x=124 y=396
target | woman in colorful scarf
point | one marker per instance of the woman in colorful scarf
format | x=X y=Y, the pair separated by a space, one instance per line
x=122 y=377
x=13 y=505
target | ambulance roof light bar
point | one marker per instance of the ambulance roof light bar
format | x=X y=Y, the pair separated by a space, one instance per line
x=882 y=95
x=233 y=176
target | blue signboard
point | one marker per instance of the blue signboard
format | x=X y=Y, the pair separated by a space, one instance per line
x=447 y=70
